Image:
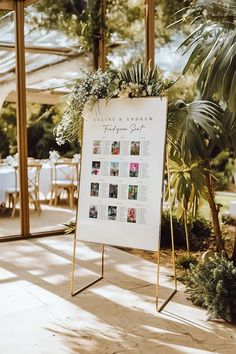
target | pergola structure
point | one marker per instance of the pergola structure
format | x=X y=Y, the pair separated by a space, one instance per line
x=51 y=63
x=10 y=5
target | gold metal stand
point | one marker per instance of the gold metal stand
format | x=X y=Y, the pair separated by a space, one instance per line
x=162 y=306
x=73 y=291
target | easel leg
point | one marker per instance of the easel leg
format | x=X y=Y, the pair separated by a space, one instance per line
x=73 y=291
x=162 y=306
x=159 y=309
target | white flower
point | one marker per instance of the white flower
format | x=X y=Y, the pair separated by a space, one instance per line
x=11 y=160
x=149 y=90
x=54 y=156
x=93 y=86
x=76 y=158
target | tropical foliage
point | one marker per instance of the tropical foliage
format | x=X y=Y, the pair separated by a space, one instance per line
x=212 y=53
x=213 y=49
x=195 y=129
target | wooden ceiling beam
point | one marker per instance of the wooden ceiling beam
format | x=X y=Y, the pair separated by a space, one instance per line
x=9 y=5
x=33 y=96
x=31 y=48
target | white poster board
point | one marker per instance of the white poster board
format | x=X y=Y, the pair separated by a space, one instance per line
x=122 y=173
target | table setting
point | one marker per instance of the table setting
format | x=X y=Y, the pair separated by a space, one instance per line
x=8 y=176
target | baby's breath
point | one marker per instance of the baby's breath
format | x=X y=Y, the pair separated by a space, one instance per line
x=129 y=83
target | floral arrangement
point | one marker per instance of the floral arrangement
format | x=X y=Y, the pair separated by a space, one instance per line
x=54 y=156
x=129 y=83
x=11 y=160
x=76 y=158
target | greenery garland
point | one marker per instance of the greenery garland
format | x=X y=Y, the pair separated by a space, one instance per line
x=128 y=83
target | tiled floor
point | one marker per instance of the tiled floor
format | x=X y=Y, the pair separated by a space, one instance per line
x=51 y=218
x=117 y=315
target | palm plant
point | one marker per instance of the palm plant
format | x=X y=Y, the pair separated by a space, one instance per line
x=212 y=48
x=194 y=131
x=188 y=185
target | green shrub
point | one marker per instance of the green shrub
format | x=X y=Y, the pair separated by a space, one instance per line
x=212 y=285
x=221 y=181
x=186 y=261
x=178 y=228
x=199 y=232
x=223 y=168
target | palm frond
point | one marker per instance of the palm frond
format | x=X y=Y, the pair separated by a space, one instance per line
x=229 y=123
x=188 y=184
x=191 y=127
x=146 y=76
x=70 y=227
x=212 y=48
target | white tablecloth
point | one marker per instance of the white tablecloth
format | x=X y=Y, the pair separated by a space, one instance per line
x=7 y=181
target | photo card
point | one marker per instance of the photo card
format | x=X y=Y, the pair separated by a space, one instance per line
x=114 y=169
x=131 y=215
x=133 y=169
x=135 y=148
x=97 y=147
x=132 y=192
x=113 y=190
x=96 y=168
x=94 y=189
x=115 y=148
x=112 y=212
x=93 y=211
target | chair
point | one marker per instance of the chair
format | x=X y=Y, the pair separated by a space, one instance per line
x=65 y=176
x=33 y=188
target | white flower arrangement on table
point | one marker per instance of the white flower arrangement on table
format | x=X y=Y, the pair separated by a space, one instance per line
x=54 y=156
x=129 y=83
x=76 y=158
x=11 y=160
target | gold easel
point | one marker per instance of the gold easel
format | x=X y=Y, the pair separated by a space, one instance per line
x=73 y=291
x=158 y=308
x=161 y=307
x=77 y=291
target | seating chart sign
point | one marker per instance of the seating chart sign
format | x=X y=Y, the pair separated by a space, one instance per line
x=122 y=173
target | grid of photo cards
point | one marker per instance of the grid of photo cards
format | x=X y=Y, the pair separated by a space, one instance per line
x=110 y=176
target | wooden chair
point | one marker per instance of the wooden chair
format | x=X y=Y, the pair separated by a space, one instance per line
x=33 y=188
x=65 y=176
